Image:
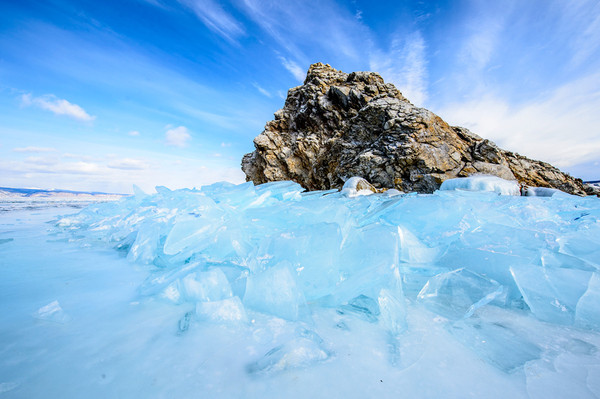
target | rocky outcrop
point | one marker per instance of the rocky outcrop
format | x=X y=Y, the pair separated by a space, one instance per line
x=337 y=125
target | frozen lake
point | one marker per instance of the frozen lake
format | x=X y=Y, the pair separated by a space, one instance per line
x=236 y=292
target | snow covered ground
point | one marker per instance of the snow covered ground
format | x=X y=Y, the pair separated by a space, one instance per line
x=268 y=292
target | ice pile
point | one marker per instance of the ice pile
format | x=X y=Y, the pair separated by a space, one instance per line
x=486 y=266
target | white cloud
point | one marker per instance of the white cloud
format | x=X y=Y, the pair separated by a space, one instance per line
x=57 y=106
x=34 y=149
x=224 y=144
x=261 y=90
x=216 y=18
x=128 y=164
x=579 y=21
x=178 y=136
x=134 y=133
x=404 y=65
x=481 y=44
x=293 y=68
x=561 y=128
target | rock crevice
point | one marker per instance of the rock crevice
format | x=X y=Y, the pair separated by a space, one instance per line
x=337 y=125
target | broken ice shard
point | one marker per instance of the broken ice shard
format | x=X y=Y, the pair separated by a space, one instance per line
x=496 y=343
x=551 y=293
x=299 y=352
x=457 y=294
x=483 y=183
x=393 y=310
x=211 y=285
x=274 y=291
x=362 y=306
x=588 y=308
x=144 y=248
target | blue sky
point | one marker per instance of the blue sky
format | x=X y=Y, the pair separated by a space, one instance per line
x=99 y=95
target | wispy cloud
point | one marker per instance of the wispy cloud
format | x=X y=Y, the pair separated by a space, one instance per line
x=57 y=106
x=212 y=14
x=34 y=149
x=560 y=128
x=106 y=173
x=293 y=68
x=300 y=27
x=478 y=48
x=580 y=23
x=405 y=65
x=178 y=137
x=134 y=133
x=261 y=90
x=479 y=42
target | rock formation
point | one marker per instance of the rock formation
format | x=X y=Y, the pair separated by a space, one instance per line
x=337 y=125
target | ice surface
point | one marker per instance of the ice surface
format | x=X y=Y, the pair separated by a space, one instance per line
x=483 y=183
x=270 y=291
x=226 y=310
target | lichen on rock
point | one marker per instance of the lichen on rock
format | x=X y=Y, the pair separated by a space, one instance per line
x=337 y=125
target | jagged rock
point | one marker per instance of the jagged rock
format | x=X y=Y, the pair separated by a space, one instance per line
x=337 y=125
x=592 y=188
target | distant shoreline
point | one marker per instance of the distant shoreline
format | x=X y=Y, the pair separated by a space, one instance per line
x=31 y=193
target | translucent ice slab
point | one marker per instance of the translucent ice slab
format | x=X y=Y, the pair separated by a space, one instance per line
x=587 y=311
x=457 y=294
x=551 y=293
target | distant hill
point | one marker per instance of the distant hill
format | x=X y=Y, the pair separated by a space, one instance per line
x=8 y=192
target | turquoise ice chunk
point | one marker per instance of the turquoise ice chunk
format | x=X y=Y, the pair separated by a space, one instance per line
x=297 y=353
x=275 y=291
x=363 y=307
x=551 y=293
x=483 y=183
x=392 y=308
x=587 y=311
x=211 y=285
x=281 y=190
x=457 y=294
x=496 y=343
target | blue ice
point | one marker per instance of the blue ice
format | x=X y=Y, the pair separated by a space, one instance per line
x=237 y=289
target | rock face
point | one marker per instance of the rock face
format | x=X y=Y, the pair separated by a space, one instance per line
x=337 y=125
